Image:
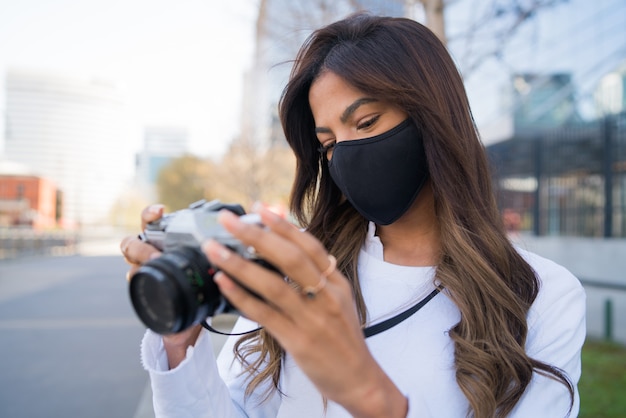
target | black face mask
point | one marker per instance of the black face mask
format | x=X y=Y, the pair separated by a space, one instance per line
x=381 y=176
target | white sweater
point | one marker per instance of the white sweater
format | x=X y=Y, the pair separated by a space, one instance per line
x=417 y=354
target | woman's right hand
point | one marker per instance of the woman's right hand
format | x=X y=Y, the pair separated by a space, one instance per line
x=137 y=252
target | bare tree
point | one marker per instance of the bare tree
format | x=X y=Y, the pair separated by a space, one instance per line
x=434 y=14
x=250 y=173
x=489 y=28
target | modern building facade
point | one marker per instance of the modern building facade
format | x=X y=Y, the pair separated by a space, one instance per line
x=69 y=130
x=560 y=175
x=160 y=146
x=542 y=101
x=566 y=181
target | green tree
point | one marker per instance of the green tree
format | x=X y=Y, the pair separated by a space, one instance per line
x=250 y=173
x=125 y=211
x=185 y=180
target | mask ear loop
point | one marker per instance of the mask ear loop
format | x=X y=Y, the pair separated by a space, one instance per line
x=213 y=330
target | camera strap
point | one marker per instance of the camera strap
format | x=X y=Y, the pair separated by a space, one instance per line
x=368 y=331
x=392 y=322
x=206 y=325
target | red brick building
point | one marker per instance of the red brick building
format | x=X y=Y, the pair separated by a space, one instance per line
x=26 y=199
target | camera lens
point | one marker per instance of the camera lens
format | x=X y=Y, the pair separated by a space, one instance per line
x=175 y=291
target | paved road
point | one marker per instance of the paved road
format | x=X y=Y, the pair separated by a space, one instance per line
x=70 y=339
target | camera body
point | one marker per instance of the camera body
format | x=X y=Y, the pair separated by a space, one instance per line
x=176 y=290
x=192 y=226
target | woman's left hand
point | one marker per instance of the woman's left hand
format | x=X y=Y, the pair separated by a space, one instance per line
x=322 y=333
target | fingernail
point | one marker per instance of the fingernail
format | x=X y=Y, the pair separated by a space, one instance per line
x=268 y=216
x=156 y=209
x=223 y=281
x=215 y=250
x=257 y=207
x=228 y=219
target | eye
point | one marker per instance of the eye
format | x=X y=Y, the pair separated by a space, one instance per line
x=327 y=149
x=368 y=123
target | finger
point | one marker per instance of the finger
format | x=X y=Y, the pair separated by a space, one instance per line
x=250 y=306
x=273 y=290
x=131 y=272
x=313 y=248
x=151 y=214
x=298 y=328
x=280 y=297
x=124 y=244
x=137 y=252
x=275 y=322
x=284 y=254
x=307 y=242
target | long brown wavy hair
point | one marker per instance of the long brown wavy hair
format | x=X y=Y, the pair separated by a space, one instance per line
x=400 y=61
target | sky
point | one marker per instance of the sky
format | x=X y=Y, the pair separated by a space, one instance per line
x=182 y=62
x=177 y=62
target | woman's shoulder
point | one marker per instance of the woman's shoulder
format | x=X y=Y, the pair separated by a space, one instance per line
x=552 y=276
x=561 y=294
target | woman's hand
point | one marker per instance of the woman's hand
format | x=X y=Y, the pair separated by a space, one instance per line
x=136 y=252
x=321 y=331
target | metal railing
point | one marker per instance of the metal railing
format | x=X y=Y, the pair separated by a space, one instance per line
x=23 y=242
x=608 y=307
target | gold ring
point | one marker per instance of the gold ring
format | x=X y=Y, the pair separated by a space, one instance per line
x=124 y=250
x=331 y=267
x=311 y=291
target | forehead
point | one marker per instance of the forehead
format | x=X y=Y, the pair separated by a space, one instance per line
x=330 y=95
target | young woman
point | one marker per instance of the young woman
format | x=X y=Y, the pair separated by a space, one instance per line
x=393 y=190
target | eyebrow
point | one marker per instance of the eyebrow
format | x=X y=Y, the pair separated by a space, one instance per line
x=354 y=106
x=348 y=112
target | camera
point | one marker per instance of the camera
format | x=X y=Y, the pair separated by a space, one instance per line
x=176 y=290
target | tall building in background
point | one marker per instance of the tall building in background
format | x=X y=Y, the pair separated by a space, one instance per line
x=543 y=101
x=161 y=145
x=69 y=130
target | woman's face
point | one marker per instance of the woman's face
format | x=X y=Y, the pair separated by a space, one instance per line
x=343 y=113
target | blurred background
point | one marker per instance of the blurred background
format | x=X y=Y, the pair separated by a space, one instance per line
x=107 y=106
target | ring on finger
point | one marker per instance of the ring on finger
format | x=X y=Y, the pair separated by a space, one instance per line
x=311 y=291
x=124 y=250
x=331 y=267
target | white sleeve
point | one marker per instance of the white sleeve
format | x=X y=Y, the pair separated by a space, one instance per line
x=556 y=334
x=195 y=388
x=263 y=403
